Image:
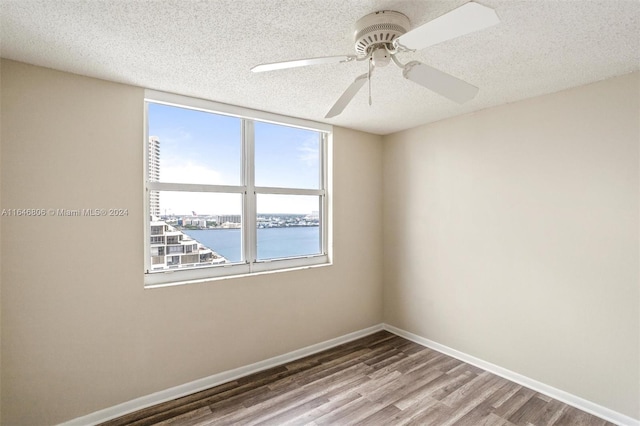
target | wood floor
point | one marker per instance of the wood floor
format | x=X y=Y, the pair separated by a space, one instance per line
x=381 y=379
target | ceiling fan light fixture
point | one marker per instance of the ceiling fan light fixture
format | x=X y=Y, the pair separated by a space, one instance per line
x=380 y=57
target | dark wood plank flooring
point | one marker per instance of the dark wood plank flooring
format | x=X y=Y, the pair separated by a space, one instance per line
x=381 y=379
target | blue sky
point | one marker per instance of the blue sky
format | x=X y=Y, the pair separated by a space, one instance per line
x=200 y=147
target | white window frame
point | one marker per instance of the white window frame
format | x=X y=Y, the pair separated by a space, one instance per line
x=249 y=192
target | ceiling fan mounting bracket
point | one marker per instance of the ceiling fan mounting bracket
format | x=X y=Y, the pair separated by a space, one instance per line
x=379 y=29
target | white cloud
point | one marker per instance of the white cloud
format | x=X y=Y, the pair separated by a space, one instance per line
x=309 y=153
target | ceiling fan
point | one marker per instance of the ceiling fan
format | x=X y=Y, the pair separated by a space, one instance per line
x=381 y=35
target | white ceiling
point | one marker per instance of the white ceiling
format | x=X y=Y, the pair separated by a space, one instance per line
x=206 y=48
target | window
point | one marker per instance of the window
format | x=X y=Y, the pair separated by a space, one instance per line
x=231 y=191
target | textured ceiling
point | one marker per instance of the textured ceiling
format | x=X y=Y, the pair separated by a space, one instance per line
x=206 y=48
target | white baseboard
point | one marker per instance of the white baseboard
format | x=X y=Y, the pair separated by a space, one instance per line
x=560 y=395
x=214 y=380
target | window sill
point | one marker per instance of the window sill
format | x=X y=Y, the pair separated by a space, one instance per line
x=234 y=271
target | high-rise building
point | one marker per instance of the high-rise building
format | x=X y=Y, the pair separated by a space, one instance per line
x=229 y=218
x=171 y=248
x=154 y=174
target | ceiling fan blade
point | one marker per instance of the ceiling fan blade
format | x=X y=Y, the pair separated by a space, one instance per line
x=346 y=97
x=440 y=82
x=303 y=63
x=465 y=19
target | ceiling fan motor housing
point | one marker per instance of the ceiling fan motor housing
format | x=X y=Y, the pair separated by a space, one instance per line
x=378 y=29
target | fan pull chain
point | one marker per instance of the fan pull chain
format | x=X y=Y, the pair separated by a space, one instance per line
x=369 y=78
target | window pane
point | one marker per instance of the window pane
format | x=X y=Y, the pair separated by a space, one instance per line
x=288 y=226
x=195 y=229
x=286 y=157
x=193 y=146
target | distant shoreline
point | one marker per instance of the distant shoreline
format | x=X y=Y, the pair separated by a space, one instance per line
x=220 y=228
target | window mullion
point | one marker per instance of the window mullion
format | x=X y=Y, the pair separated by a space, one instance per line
x=147 y=207
x=194 y=187
x=288 y=191
x=323 y=199
x=249 y=219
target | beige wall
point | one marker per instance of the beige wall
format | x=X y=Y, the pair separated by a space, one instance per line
x=0 y=250
x=511 y=234
x=79 y=332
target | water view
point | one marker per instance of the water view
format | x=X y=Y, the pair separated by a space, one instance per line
x=272 y=242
